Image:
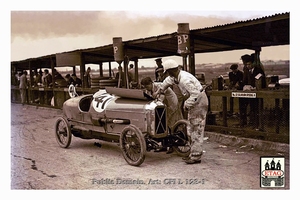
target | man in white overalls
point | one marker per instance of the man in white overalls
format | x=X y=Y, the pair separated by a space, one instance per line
x=196 y=104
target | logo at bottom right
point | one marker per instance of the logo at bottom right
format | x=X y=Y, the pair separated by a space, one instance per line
x=272 y=171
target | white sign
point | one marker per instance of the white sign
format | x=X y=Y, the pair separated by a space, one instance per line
x=243 y=94
x=182 y=39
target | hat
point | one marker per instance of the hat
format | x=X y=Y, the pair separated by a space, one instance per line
x=158 y=59
x=234 y=66
x=246 y=58
x=170 y=64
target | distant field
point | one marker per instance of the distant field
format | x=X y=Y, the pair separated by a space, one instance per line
x=211 y=71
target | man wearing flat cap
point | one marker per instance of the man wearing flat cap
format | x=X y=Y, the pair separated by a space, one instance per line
x=235 y=77
x=196 y=104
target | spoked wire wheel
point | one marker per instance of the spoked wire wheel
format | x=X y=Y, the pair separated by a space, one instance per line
x=133 y=145
x=63 y=133
x=180 y=130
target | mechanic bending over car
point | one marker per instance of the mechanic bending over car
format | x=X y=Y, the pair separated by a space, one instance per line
x=196 y=105
x=169 y=98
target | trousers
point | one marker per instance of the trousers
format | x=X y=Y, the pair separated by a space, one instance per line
x=23 y=95
x=195 y=129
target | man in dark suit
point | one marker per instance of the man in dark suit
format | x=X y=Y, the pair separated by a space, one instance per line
x=243 y=102
x=253 y=76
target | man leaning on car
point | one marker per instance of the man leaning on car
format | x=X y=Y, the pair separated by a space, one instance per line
x=196 y=105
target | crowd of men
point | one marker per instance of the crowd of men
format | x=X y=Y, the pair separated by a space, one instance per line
x=46 y=79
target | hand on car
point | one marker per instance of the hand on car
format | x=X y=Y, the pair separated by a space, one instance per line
x=156 y=94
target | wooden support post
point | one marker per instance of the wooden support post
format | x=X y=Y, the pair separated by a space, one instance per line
x=126 y=61
x=136 y=71
x=101 y=69
x=29 y=93
x=277 y=120
x=184 y=61
x=261 y=114
x=53 y=84
x=231 y=104
x=109 y=69
x=82 y=68
x=120 y=76
x=52 y=70
x=224 y=102
x=192 y=57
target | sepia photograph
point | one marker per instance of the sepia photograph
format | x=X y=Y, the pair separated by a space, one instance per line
x=150 y=99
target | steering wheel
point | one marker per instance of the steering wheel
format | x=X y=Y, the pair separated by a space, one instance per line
x=72 y=91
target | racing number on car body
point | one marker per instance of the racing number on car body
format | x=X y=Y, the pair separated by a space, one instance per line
x=100 y=102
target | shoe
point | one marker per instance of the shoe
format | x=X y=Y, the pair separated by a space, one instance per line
x=191 y=161
x=170 y=150
x=185 y=158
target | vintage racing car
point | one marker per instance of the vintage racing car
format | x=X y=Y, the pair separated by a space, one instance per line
x=127 y=116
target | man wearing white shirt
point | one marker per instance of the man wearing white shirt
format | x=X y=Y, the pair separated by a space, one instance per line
x=196 y=104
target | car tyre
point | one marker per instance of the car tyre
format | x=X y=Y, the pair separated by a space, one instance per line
x=180 y=129
x=63 y=133
x=133 y=145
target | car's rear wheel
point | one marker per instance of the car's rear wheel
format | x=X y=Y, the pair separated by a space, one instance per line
x=133 y=145
x=179 y=130
x=63 y=133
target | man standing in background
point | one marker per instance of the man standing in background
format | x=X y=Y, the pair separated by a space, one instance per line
x=254 y=73
x=23 y=87
x=158 y=70
x=235 y=78
x=87 y=78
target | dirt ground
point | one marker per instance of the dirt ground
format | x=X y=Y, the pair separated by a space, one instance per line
x=38 y=163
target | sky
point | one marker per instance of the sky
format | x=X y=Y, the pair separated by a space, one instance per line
x=38 y=33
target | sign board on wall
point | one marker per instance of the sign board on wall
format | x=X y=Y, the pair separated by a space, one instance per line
x=243 y=94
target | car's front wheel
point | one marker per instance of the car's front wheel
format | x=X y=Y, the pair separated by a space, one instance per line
x=179 y=131
x=133 y=145
x=63 y=133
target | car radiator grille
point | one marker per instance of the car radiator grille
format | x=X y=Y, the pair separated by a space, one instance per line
x=160 y=120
